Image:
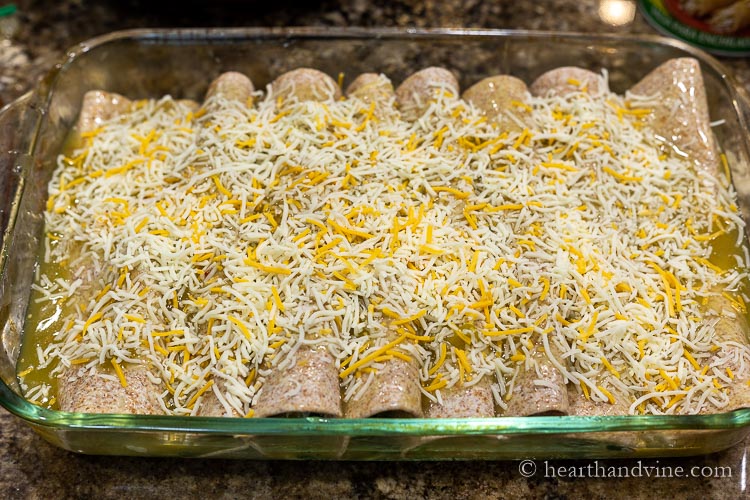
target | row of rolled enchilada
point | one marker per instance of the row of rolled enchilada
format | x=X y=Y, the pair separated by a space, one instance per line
x=508 y=251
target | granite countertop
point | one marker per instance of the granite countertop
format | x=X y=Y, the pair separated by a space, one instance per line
x=31 y=468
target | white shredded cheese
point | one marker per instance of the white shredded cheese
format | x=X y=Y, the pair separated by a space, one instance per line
x=213 y=247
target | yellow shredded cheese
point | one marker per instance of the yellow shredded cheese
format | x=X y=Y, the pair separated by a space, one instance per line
x=220 y=241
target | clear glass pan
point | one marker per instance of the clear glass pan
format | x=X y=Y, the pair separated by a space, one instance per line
x=150 y=63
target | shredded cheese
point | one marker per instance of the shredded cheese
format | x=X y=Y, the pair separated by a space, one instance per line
x=439 y=242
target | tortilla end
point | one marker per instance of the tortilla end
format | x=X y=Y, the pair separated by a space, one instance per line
x=87 y=394
x=189 y=104
x=414 y=93
x=210 y=405
x=232 y=85
x=393 y=392
x=459 y=401
x=495 y=96
x=306 y=84
x=542 y=401
x=682 y=116
x=566 y=80
x=371 y=87
x=579 y=405
x=309 y=387
x=530 y=398
x=99 y=106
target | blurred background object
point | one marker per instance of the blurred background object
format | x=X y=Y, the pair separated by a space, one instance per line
x=13 y=59
x=617 y=12
x=718 y=26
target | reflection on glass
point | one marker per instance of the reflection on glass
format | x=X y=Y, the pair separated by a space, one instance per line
x=617 y=12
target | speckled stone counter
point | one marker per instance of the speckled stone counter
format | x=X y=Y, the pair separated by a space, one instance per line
x=30 y=468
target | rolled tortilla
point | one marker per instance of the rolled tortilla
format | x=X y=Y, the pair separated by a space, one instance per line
x=495 y=97
x=539 y=388
x=211 y=406
x=561 y=82
x=311 y=384
x=413 y=97
x=416 y=93
x=376 y=90
x=582 y=406
x=94 y=393
x=85 y=393
x=99 y=106
x=97 y=394
x=393 y=392
x=309 y=387
x=371 y=87
x=562 y=398
x=462 y=401
x=305 y=84
x=233 y=86
x=189 y=103
x=681 y=118
x=567 y=79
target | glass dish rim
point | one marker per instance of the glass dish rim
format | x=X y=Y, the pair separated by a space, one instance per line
x=45 y=417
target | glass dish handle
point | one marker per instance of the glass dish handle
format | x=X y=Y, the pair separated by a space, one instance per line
x=15 y=137
x=13 y=146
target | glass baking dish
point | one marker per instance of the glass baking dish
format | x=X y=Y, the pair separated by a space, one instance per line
x=151 y=63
